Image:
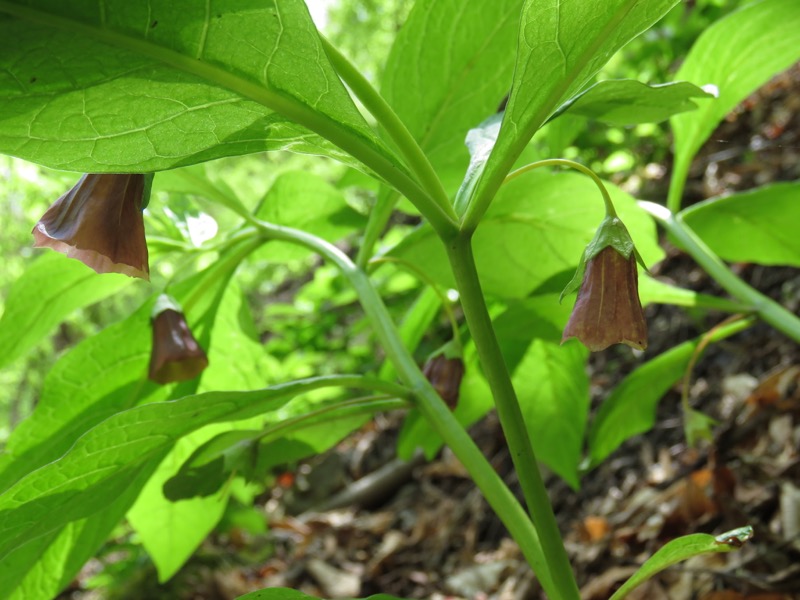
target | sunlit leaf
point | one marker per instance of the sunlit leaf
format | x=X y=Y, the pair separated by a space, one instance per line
x=127 y=87
x=735 y=55
x=51 y=288
x=757 y=226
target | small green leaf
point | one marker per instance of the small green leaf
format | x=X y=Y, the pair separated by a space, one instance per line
x=50 y=289
x=736 y=55
x=680 y=549
x=631 y=407
x=628 y=102
x=757 y=226
x=289 y=594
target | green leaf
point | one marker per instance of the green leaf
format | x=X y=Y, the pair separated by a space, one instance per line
x=119 y=87
x=553 y=392
x=653 y=291
x=680 y=549
x=172 y=531
x=755 y=226
x=103 y=462
x=50 y=289
x=442 y=88
x=537 y=228
x=44 y=567
x=289 y=594
x=631 y=407
x=561 y=47
x=304 y=201
x=736 y=54
x=628 y=102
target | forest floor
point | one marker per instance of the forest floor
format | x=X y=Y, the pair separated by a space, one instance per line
x=423 y=530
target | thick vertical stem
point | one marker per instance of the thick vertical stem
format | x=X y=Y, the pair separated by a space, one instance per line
x=494 y=367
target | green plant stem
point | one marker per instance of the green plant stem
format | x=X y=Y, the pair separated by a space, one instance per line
x=420 y=274
x=680 y=171
x=388 y=119
x=494 y=368
x=563 y=162
x=433 y=407
x=378 y=218
x=766 y=308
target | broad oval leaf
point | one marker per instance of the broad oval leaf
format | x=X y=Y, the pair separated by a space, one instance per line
x=757 y=226
x=537 y=228
x=449 y=67
x=736 y=55
x=628 y=102
x=120 y=86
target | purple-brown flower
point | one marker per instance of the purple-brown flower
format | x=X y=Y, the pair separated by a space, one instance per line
x=176 y=355
x=99 y=222
x=608 y=310
x=445 y=375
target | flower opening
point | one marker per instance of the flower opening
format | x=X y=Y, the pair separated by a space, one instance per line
x=99 y=222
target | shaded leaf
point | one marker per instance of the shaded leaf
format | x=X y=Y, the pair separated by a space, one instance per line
x=757 y=226
x=537 y=228
x=628 y=102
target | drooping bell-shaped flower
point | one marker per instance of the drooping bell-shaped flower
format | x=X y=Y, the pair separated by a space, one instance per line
x=176 y=355
x=608 y=310
x=99 y=222
x=445 y=375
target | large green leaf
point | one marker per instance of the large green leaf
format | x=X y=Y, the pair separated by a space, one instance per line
x=553 y=392
x=47 y=565
x=537 y=228
x=103 y=463
x=628 y=102
x=561 y=46
x=50 y=289
x=757 y=226
x=680 y=549
x=448 y=69
x=126 y=86
x=736 y=55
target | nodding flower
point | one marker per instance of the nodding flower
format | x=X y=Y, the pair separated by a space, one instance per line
x=445 y=375
x=176 y=355
x=608 y=310
x=99 y=222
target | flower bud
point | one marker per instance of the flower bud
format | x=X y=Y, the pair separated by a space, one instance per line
x=176 y=355
x=445 y=375
x=608 y=310
x=99 y=222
